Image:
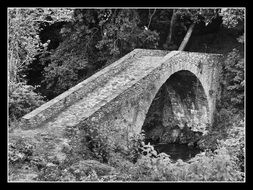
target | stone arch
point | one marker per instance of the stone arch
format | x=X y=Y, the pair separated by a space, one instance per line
x=165 y=75
x=181 y=101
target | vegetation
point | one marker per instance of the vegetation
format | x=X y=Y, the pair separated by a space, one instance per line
x=42 y=65
x=24 y=45
x=22 y=100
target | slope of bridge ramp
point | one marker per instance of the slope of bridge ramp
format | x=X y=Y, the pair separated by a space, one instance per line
x=88 y=96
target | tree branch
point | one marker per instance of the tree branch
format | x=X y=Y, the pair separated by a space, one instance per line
x=92 y=36
x=151 y=18
x=44 y=21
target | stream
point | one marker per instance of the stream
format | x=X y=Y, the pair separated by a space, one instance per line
x=177 y=151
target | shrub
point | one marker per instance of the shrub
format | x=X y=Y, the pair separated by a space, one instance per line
x=233 y=94
x=135 y=144
x=20 y=151
x=207 y=166
x=223 y=164
x=22 y=100
x=104 y=142
x=235 y=143
x=99 y=142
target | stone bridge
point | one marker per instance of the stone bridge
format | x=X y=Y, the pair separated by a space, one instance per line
x=179 y=87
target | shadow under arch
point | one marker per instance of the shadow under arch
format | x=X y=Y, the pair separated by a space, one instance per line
x=180 y=103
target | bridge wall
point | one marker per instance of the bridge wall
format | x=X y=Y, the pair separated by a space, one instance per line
x=125 y=114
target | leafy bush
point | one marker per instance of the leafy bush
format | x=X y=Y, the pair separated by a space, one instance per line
x=222 y=119
x=207 y=166
x=104 y=142
x=134 y=147
x=233 y=94
x=223 y=164
x=99 y=142
x=19 y=151
x=144 y=164
x=235 y=142
x=230 y=106
x=22 y=100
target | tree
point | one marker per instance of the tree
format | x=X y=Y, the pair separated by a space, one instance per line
x=23 y=45
x=23 y=39
x=195 y=15
x=184 y=18
x=98 y=37
x=234 y=81
x=233 y=71
x=172 y=20
x=233 y=17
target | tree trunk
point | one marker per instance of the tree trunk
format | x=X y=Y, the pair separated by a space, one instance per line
x=168 y=41
x=186 y=38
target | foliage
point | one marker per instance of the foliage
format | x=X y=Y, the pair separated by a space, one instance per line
x=23 y=37
x=76 y=172
x=95 y=38
x=235 y=142
x=19 y=151
x=22 y=99
x=65 y=70
x=226 y=163
x=134 y=147
x=122 y=34
x=232 y=17
x=98 y=37
x=206 y=166
x=197 y=15
x=99 y=141
x=104 y=142
x=234 y=82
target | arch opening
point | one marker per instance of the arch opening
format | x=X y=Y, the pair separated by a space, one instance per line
x=179 y=111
